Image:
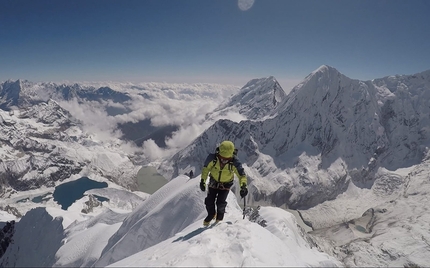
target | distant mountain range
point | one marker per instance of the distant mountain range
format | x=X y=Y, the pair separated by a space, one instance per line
x=338 y=150
x=23 y=94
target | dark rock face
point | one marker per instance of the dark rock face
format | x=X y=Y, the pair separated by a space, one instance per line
x=9 y=92
x=31 y=242
x=6 y=236
x=91 y=204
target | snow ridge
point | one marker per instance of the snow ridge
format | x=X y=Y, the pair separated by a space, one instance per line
x=166 y=230
x=144 y=227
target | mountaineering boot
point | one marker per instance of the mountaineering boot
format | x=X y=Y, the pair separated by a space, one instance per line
x=208 y=219
x=219 y=217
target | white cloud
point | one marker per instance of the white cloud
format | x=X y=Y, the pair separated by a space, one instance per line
x=152 y=151
x=173 y=104
x=129 y=147
x=186 y=135
x=94 y=118
x=183 y=105
x=232 y=115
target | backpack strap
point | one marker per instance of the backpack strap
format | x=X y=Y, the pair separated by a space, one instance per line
x=214 y=161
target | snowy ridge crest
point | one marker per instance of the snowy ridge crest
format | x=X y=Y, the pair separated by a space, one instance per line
x=166 y=230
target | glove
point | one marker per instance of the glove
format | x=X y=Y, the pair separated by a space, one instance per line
x=243 y=191
x=202 y=185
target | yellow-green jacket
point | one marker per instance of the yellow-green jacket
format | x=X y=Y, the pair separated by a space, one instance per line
x=226 y=174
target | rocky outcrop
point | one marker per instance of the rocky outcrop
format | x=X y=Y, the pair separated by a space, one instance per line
x=32 y=246
x=91 y=204
x=43 y=144
x=6 y=236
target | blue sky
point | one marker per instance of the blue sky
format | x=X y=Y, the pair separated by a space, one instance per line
x=210 y=41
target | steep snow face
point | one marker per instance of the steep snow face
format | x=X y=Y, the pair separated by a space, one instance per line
x=405 y=117
x=332 y=113
x=47 y=240
x=356 y=120
x=257 y=99
x=146 y=226
x=86 y=239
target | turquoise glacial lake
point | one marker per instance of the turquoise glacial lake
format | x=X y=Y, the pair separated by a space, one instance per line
x=67 y=193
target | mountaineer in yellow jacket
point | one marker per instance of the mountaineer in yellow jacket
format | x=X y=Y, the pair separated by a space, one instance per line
x=221 y=168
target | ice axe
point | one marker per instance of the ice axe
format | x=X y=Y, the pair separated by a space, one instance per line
x=244 y=207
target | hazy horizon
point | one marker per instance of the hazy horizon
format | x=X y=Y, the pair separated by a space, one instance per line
x=202 y=41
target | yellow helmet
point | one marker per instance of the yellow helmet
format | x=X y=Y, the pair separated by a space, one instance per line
x=226 y=149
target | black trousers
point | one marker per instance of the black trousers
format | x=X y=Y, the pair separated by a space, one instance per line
x=216 y=197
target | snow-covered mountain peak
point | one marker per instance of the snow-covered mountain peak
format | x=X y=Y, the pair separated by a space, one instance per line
x=263 y=87
x=386 y=117
x=257 y=99
x=264 y=80
x=414 y=84
x=324 y=68
x=322 y=75
x=316 y=85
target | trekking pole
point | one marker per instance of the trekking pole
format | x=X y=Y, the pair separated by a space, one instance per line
x=244 y=207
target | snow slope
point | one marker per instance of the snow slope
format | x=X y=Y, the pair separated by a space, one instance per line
x=395 y=235
x=236 y=242
x=165 y=230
